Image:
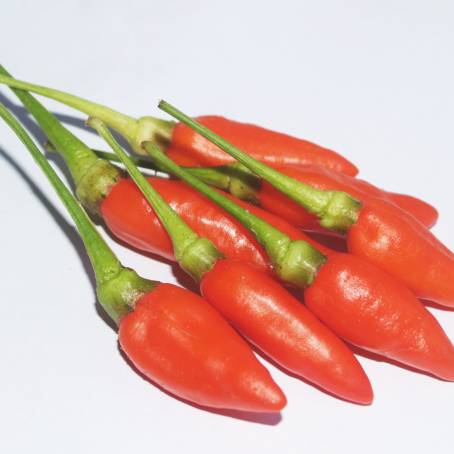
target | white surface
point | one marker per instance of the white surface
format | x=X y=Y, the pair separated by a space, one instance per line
x=371 y=79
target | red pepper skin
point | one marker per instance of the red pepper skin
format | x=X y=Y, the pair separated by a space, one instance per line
x=274 y=148
x=181 y=343
x=129 y=216
x=421 y=210
x=385 y=317
x=324 y=179
x=280 y=326
x=405 y=249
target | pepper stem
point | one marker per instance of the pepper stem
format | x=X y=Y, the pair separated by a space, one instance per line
x=92 y=176
x=196 y=255
x=118 y=288
x=294 y=261
x=336 y=210
x=134 y=130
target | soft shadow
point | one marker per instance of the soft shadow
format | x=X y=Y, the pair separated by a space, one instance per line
x=437 y=306
x=269 y=419
x=26 y=118
x=376 y=357
x=302 y=379
x=68 y=229
x=336 y=243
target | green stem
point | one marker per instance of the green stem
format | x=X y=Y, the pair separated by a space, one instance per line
x=111 y=157
x=196 y=255
x=336 y=210
x=135 y=131
x=93 y=177
x=118 y=288
x=234 y=178
x=295 y=261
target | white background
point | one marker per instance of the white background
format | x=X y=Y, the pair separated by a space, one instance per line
x=371 y=79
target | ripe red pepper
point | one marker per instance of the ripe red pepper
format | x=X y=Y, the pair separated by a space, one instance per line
x=263 y=311
x=188 y=148
x=130 y=217
x=170 y=334
x=375 y=311
x=375 y=230
x=244 y=185
x=276 y=149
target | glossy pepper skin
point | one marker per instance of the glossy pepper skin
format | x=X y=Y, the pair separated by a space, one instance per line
x=273 y=200
x=384 y=318
x=405 y=249
x=274 y=148
x=210 y=366
x=130 y=217
x=200 y=258
x=181 y=343
x=282 y=328
x=390 y=239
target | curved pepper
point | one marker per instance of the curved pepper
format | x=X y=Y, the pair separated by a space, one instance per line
x=317 y=177
x=277 y=149
x=270 y=146
x=174 y=337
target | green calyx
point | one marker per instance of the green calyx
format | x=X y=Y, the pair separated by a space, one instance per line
x=295 y=262
x=118 y=295
x=134 y=130
x=118 y=288
x=340 y=212
x=93 y=177
x=198 y=257
x=299 y=264
x=195 y=255
x=153 y=129
x=336 y=211
x=96 y=183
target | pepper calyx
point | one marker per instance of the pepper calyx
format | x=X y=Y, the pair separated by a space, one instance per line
x=153 y=130
x=340 y=212
x=299 y=264
x=119 y=294
x=96 y=183
x=198 y=257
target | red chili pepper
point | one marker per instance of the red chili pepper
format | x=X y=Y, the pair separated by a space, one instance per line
x=244 y=185
x=274 y=148
x=374 y=307
x=130 y=217
x=171 y=335
x=375 y=230
x=263 y=311
x=188 y=148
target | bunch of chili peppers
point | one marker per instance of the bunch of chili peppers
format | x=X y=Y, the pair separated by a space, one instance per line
x=237 y=223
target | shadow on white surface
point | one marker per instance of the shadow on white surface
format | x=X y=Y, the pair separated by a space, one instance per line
x=269 y=419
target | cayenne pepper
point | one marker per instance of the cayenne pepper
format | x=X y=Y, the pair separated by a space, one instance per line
x=170 y=334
